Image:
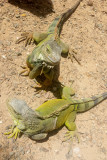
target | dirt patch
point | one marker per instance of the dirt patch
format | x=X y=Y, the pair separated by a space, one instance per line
x=86 y=32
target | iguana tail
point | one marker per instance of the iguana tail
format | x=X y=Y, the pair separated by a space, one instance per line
x=86 y=104
x=58 y=22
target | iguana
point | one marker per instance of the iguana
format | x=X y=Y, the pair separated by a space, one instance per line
x=47 y=54
x=49 y=116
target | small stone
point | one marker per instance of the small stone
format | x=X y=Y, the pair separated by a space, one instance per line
x=44 y=149
x=17 y=16
x=90 y=3
x=0 y=146
x=15 y=147
x=11 y=154
x=27 y=53
x=3 y=56
x=8 y=43
x=96 y=40
x=23 y=152
x=45 y=22
x=8 y=20
x=76 y=150
x=1 y=4
x=1 y=43
x=8 y=127
x=1 y=122
x=103 y=149
x=28 y=151
x=38 y=95
x=99 y=26
x=69 y=154
x=18 y=54
x=16 y=154
x=16 y=25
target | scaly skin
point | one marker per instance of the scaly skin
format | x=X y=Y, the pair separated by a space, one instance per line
x=50 y=115
x=47 y=53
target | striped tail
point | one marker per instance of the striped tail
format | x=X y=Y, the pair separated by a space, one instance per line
x=86 y=104
x=58 y=22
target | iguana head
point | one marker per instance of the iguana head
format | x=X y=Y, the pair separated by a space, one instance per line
x=17 y=108
x=51 y=53
x=25 y=119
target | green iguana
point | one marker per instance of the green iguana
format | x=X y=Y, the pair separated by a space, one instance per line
x=49 y=116
x=47 y=53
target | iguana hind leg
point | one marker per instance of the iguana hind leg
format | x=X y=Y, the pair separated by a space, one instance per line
x=70 y=124
x=66 y=92
x=39 y=136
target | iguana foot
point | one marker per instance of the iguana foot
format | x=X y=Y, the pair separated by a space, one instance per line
x=39 y=88
x=25 y=69
x=28 y=37
x=73 y=55
x=71 y=135
x=15 y=132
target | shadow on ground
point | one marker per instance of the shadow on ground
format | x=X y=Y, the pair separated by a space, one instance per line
x=50 y=134
x=37 y=7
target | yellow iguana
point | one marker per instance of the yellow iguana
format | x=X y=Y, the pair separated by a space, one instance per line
x=50 y=115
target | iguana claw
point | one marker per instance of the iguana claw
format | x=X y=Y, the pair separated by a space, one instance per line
x=14 y=132
x=73 y=55
x=25 y=69
x=71 y=135
x=28 y=37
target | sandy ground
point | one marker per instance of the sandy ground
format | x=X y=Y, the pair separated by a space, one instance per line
x=86 y=32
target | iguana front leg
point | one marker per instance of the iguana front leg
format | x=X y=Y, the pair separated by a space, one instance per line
x=25 y=71
x=71 y=52
x=70 y=124
x=65 y=47
x=14 y=132
x=30 y=36
x=35 y=71
x=31 y=73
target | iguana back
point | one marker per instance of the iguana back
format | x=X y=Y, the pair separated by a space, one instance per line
x=56 y=106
